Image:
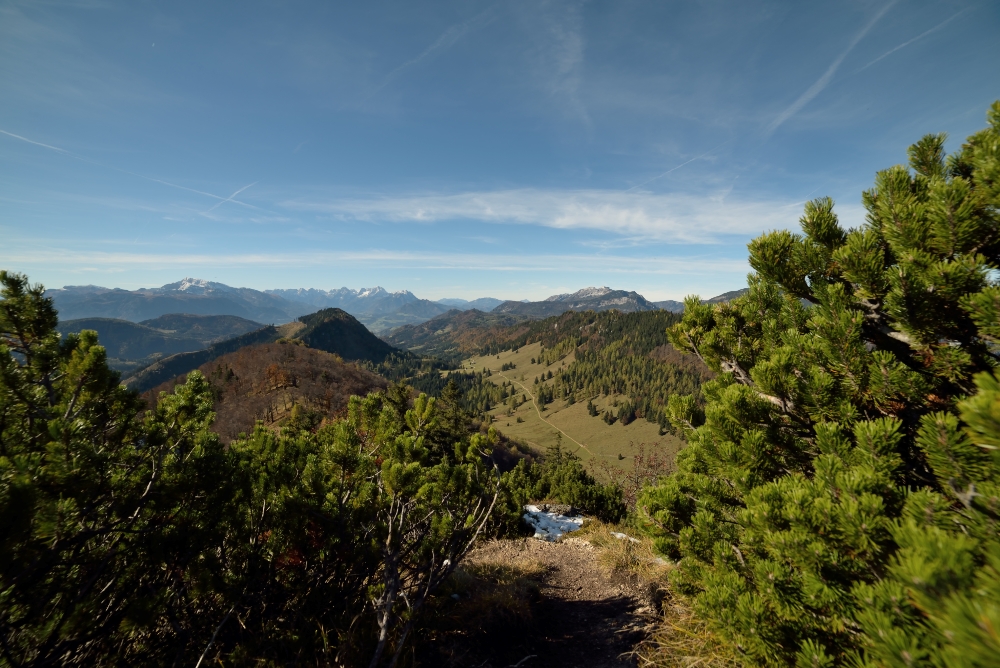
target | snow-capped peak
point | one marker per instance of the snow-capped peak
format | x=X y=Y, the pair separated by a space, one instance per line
x=585 y=293
x=195 y=286
x=591 y=292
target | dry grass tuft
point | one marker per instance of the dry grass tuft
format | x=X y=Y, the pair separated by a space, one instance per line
x=681 y=640
x=628 y=556
x=496 y=591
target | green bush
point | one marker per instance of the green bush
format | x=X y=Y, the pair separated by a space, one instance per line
x=838 y=501
x=141 y=540
x=560 y=477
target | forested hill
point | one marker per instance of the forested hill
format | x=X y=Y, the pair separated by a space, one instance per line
x=330 y=330
x=208 y=329
x=126 y=340
x=336 y=331
x=613 y=354
x=456 y=334
x=276 y=383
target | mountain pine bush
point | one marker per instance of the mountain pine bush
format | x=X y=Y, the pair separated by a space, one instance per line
x=131 y=539
x=839 y=498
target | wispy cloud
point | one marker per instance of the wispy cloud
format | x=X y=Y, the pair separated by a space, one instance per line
x=917 y=38
x=675 y=217
x=552 y=53
x=824 y=80
x=662 y=265
x=36 y=143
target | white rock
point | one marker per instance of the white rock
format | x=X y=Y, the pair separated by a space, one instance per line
x=620 y=536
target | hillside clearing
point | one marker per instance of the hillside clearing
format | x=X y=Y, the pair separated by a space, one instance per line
x=586 y=436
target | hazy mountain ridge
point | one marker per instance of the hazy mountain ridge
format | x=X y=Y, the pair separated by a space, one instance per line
x=453 y=335
x=193 y=296
x=206 y=328
x=374 y=301
x=587 y=299
x=678 y=307
x=484 y=304
x=131 y=346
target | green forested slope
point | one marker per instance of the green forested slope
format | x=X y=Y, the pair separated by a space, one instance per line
x=454 y=335
x=126 y=340
x=206 y=328
x=614 y=353
x=135 y=538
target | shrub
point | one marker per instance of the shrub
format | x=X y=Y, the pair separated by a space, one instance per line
x=128 y=540
x=560 y=477
x=838 y=501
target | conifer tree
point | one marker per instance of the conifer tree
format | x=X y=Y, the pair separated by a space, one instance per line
x=839 y=498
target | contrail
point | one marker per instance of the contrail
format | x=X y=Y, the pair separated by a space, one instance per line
x=447 y=39
x=822 y=82
x=674 y=169
x=918 y=37
x=36 y=143
x=230 y=198
x=130 y=173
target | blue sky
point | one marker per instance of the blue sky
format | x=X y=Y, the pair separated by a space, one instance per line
x=459 y=149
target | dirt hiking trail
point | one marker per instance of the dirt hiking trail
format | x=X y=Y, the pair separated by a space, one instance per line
x=580 y=617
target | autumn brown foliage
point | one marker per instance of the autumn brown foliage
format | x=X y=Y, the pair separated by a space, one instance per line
x=276 y=382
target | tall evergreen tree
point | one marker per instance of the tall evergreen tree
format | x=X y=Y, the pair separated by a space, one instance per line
x=839 y=498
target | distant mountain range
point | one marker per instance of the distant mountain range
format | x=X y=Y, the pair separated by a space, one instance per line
x=381 y=310
x=588 y=299
x=193 y=296
x=378 y=309
x=375 y=301
x=484 y=304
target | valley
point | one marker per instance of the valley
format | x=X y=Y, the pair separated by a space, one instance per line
x=592 y=383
